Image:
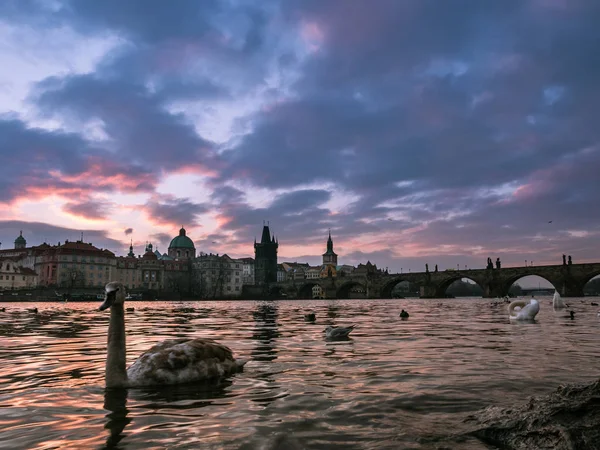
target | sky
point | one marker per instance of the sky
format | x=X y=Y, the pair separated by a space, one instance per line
x=417 y=131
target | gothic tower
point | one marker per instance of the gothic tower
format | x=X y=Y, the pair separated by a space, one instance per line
x=265 y=258
x=329 y=257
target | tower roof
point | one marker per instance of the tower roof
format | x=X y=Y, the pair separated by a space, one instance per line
x=20 y=239
x=181 y=241
x=266 y=235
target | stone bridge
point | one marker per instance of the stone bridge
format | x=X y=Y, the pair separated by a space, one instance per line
x=567 y=279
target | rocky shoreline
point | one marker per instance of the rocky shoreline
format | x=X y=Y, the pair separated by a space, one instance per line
x=568 y=418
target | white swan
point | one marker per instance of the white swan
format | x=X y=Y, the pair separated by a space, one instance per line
x=337 y=332
x=170 y=362
x=521 y=310
x=557 y=301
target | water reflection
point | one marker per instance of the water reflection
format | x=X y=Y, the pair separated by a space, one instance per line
x=115 y=401
x=265 y=332
x=387 y=388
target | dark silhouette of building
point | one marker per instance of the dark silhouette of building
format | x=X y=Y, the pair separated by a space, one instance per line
x=329 y=257
x=21 y=243
x=265 y=258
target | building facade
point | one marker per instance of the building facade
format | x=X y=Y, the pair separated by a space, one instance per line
x=218 y=276
x=75 y=264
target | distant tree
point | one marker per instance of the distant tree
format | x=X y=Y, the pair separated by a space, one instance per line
x=592 y=287
x=516 y=290
x=178 y=283
x=463 y=289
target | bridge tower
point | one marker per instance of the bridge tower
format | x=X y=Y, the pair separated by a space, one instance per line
x=265 y=258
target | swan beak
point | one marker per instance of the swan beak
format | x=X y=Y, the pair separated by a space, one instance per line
x=109 y=299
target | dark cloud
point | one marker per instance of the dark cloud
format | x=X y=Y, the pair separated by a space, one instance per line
x=151 y=20
x=128 y=231
x=161 y=241
x=459 y=128
x=174 y=211
x=142 y=130
x=37 y=233
x=89 y=209
x=39 y=162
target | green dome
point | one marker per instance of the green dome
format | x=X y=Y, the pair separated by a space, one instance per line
x=20 y=239
x=181 y=241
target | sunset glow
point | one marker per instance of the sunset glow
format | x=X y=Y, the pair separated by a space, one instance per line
x=417 y=133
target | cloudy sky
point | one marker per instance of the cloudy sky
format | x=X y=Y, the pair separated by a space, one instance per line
x=417 y=131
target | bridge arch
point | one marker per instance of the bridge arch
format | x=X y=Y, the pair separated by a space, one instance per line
x=344 y=290
x=388 y=287
x=443 y=286
x=590 y=276
x=305 y=290
x=512 y=280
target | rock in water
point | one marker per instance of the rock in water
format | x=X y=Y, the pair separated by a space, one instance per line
x=569 y=418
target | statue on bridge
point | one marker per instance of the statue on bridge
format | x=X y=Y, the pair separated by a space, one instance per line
x=498 y=265
x=570 y=260
x=426 y=268
x=564 y=260
x=490 y=264
x=436 y=268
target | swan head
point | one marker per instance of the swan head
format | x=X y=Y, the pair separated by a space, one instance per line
x=114 y=295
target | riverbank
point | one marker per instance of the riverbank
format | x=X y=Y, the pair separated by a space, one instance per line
x=568 y=418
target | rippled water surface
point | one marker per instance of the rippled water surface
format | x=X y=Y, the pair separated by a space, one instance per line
x=396 y=384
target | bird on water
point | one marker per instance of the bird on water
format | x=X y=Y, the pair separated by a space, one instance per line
x=175 y=361
x=333 y=333
x=522 y=311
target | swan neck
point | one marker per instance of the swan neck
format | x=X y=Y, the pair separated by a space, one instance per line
x=116 y=375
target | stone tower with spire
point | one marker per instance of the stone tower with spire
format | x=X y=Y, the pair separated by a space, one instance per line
x=330 y=257
x=131 y=254
x=265 y=258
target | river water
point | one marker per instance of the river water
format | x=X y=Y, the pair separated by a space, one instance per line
x=396 y=384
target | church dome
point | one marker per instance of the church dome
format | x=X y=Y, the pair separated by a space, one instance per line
x=182 y=241
x=20 y=239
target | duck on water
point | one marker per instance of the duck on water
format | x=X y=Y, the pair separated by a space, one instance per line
x=170 y=362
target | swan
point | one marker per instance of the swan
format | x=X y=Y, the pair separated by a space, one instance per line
x=338 y=332
x=404 y=314
x=521 y=310
x=174 y=361
x=557 y=301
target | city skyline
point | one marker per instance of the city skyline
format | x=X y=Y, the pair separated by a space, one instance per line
x=417 y=131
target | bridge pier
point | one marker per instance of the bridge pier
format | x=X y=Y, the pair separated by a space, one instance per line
x=428 y=291
x=330 y=292
x=571 y=288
